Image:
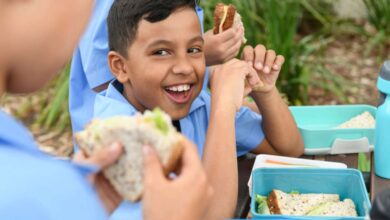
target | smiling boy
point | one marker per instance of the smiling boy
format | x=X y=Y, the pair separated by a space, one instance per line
x=156 y=55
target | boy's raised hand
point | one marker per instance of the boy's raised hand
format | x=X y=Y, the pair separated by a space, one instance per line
x=222 y=47
x=231 y=81
x=187 y=196
x=267 y=65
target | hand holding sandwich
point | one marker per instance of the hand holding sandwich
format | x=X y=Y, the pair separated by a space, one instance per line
x=175 y=193
x=222 y=47
x=223 y=42
x=102 y=159
x=187 y=196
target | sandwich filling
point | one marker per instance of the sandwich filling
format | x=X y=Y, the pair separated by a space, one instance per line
x=224 y=16
x=311 y=204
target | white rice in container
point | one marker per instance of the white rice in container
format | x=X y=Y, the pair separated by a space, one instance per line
x=364 y=120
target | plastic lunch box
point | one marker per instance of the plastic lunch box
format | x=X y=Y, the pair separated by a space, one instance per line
x=317 y=126
x=348 y=183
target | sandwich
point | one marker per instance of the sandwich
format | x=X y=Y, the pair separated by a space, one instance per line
x=311 y=204
x=225 y=17
x=152 y=128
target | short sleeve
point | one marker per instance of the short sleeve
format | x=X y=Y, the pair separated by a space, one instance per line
x=249 y=132
x=93 y=46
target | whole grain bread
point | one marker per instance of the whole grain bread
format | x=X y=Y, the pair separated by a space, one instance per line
x=126 y=175
x=283 y=203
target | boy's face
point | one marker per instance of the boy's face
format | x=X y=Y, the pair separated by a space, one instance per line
x=166 y=64
x=41 y=36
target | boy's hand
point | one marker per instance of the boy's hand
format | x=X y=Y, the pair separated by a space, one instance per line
x=266 y=63
x=231 y=81
x=222 y=47
x=187 y=196
x=102 y=159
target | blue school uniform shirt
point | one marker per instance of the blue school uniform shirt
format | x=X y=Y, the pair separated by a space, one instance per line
x=35 y=186
x=89 y=67
x=249 y=133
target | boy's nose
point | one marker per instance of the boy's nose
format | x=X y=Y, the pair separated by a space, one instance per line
x=183 y=66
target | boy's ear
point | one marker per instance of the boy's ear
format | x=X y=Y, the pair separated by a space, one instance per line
x=118 y=66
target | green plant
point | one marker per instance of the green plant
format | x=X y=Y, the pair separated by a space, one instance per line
x=378 y=12
x=55 y=114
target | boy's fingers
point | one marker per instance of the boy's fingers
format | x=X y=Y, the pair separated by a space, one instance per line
x=269 y=60
x=226 y=35
x=238 y=34
x=278 y=63
x=153 y=171
x=106 y=156
x=233 y=51
x=190 y=159
x=79 y=156
x=260 y=51
x=252 y=77
x=247 y=55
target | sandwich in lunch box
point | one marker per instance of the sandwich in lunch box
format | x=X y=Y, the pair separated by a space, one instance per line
x=310 y=204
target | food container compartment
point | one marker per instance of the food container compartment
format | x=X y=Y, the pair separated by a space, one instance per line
x=348 y=183
x=317 y=125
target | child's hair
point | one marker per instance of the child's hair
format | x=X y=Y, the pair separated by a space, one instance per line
x=124 y=16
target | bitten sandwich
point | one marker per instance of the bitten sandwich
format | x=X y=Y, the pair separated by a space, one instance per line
x=225 y=17
x=152 y=128
x=310 y=204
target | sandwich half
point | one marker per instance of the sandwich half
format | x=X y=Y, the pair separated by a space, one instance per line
x=283 y=203
x=310 y=204
x=152 y=128
x=225 y=17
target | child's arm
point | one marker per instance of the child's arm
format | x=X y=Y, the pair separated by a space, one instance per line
x=222 y=47
x=220 y=159
x=282 y=134
x=187 y=196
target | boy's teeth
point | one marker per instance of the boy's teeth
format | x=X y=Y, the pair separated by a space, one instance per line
x=179 y=88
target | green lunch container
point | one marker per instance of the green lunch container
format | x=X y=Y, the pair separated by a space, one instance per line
x=317 y=125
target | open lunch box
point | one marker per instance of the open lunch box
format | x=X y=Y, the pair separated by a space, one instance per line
x=317 y=125
x=347 y=183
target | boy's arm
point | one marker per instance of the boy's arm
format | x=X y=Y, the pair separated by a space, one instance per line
x=220 y=158
x=281 y=132
x=280 y=129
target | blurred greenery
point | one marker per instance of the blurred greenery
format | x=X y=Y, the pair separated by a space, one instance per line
x=378 y=13
x=56 y=114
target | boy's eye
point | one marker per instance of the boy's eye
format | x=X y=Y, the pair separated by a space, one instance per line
x=194 y=50
x=160 y=52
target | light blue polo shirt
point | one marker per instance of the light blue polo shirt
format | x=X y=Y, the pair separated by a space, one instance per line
x=249 y=133
x=35 y=186
x=90 y=68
